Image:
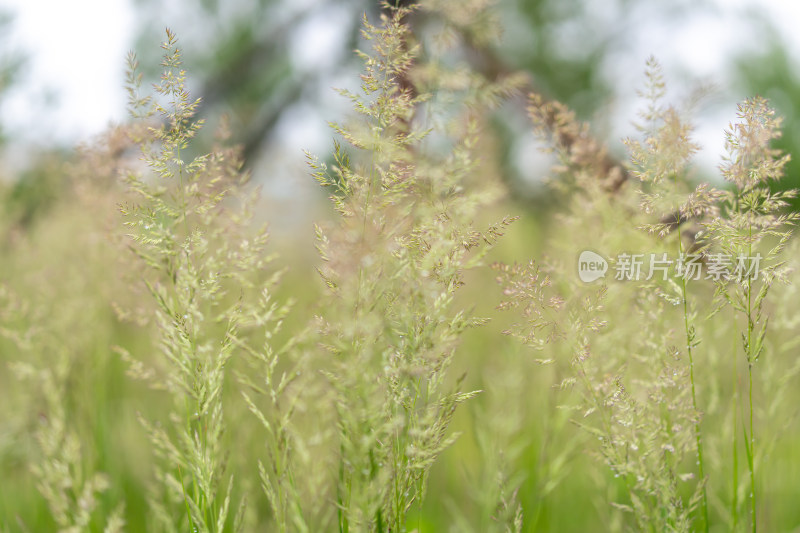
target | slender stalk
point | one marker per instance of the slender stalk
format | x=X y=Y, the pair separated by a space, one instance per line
x=751 y=448
x=342 y=501
x=697 y=429
x=735 y=504
x=750 y=361
x=185 y=499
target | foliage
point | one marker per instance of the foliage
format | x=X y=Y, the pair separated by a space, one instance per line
x=639 y=390
x=392 y=265
x=170 y=372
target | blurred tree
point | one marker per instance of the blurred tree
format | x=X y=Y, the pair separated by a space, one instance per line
x=266 y=63
x=243 y=57
x=11 y=61
x=19 y=199
x=772 y=72
x=246 y=55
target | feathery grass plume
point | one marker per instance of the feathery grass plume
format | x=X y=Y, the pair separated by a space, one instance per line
x=753 y=220
x=661 y=161
x=204 y=268
x=393 y=262
x=555 y=448
x=634 y=386
x=493 y=483
x=642 y=396
x=47 y=340
x=273 y=390
x=54 y=337
x=578 y=152
x=72 y=490
x=634 y=442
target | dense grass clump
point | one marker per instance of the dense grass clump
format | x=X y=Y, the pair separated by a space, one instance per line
x=172 y=368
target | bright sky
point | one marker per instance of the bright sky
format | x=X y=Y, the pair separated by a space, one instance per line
x=78 y=47
x=77 y=50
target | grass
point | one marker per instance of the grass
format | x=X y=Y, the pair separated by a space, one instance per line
x=173 y=368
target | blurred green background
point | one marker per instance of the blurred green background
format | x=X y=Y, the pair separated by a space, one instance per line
x=270 y=66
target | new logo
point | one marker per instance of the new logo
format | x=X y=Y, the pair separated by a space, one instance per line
x=591 y=266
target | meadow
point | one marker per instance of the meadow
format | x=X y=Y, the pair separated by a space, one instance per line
x=431 y=354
